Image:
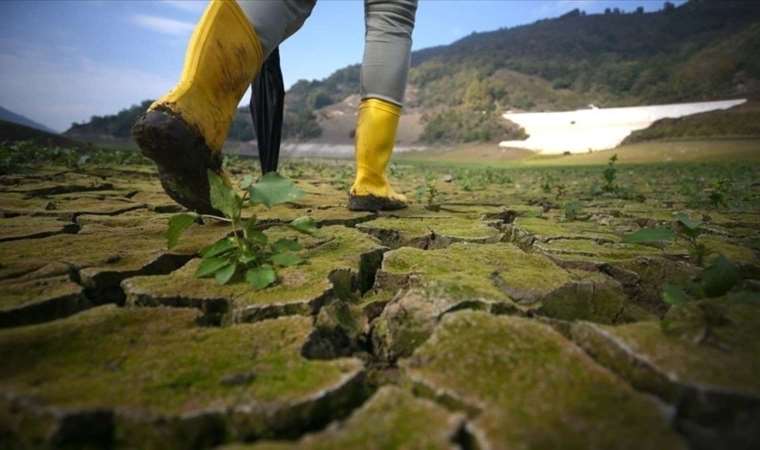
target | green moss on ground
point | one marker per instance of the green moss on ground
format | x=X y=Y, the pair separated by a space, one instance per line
x=300 y=288
x=21 y=227
x=547 y=230
x=160 y=361
x=391 y=419
x=159 y=373
x=594 y=297
x=590 y=251
x=107 y=248
x=467 y=271
x=18 y=292
x=533 y=388
x=64 y=207
x=419 y=231
x=725 y=361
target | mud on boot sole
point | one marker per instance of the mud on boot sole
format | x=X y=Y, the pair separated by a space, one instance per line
x=373 y=203
x=181 y=155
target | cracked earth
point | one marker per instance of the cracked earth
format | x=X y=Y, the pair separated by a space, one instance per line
x=489 y=321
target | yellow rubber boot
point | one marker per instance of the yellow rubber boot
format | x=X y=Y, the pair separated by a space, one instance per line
x=375 y=135
x=184 y=131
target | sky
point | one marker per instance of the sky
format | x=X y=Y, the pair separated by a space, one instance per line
x=63 y=61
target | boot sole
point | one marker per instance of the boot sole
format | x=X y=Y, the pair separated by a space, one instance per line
x=181 y=156
x=373 y=203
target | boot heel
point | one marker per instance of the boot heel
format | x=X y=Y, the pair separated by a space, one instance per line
x=181 y=156
x=373 y=203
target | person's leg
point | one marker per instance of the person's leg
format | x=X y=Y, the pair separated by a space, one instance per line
x=276 y=20
x=387 y=50
x=183 y=131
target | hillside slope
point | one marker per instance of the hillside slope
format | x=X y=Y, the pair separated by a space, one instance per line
x=742 y=121
x=14 y=132
x=10 y=116
x=702 y=50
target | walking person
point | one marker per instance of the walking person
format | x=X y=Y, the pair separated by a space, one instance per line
x=183 y=132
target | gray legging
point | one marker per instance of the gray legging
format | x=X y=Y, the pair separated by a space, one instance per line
x=387 y=40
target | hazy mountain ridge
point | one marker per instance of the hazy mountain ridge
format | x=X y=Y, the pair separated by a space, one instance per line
x=14 y=132
x=10 y=116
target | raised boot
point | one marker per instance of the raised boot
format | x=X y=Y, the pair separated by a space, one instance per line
x=183 y=131
x=375 y=135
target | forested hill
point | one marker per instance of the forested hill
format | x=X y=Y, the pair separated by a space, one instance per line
x=703 y=49
x=700 y=50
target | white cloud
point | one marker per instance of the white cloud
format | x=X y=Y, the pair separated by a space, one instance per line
x=57 y=86
x=163 y=24
x=194 y=6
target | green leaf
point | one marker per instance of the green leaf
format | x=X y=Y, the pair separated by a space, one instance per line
x=219 y=247
x=225 y=274
x=650 y=236
x=177 y=225
x=247 y=258
x=222 y=196
x=256 y=236
x=246 y=182
x=284 y=245
x=304 y=224
x=273 y=189
x=261 y=277
x=720 y=277
x=210 y=266
x=674 y=295
x=286 y=259
x=687 y=222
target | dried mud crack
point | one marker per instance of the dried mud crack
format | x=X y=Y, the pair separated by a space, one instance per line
x=487 y=319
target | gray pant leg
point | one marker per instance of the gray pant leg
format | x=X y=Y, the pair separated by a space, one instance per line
x=387 y=48
x=275 y=20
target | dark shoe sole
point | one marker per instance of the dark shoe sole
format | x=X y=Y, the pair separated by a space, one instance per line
x=373 y=203
x=181 y=155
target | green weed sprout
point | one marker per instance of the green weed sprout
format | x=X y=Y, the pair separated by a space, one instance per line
x=717 y=279
x=610 y=174
x=428 y=192
x=573 y=210
x=247 y=251
x=683 y=227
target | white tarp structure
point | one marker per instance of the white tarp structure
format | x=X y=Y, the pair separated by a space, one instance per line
x=596 y=129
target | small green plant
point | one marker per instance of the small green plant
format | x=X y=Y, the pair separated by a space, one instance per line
x=293 y=169
x=719 y=192
x=717 y=279
x=396 y=171
x=683 y=227
x=342 y=179
x=419 y=193
x=694 y=315
x=690 y=230
x=610 y=174
x=432 y=191
x=428 y=192
x=546 y=183
x=561 y=190
x=573 y=210
x=247 y=251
